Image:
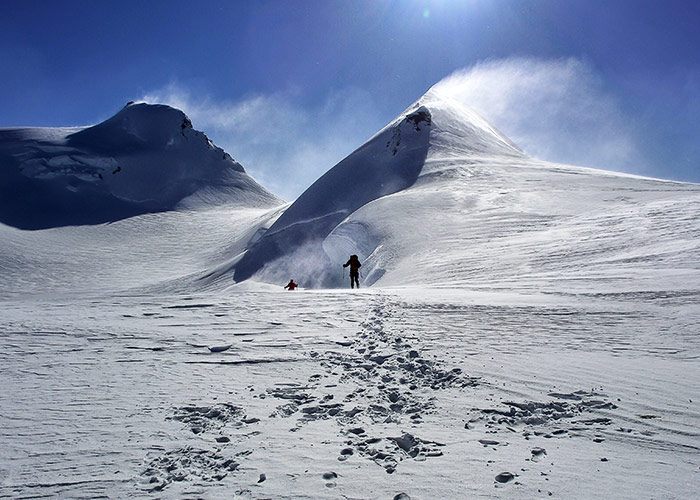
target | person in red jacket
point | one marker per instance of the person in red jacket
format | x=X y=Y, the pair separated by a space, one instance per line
x=291 y=285
x=355 y=265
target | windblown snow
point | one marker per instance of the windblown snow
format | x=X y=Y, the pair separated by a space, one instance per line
x=524 y=330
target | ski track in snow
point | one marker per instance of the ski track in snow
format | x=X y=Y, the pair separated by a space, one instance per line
x=373 y=394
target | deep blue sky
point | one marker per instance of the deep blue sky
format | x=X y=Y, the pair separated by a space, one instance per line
x=78 y=62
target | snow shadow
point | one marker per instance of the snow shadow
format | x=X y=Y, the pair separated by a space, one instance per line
x=33 y=204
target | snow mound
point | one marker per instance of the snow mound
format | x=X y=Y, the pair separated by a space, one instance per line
x=146 y=158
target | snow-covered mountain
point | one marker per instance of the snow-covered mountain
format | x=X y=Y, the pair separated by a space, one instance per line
x=388 y=163
x=440 y=197
x=146 y=158
x=531 y=327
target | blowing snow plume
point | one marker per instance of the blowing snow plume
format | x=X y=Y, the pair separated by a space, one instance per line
x=267 y=131
x=146 y=158
x=557 y=110
x=387 y=163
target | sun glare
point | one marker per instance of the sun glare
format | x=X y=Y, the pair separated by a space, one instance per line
x=435 y=8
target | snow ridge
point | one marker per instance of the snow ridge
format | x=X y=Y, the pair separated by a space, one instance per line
x=146 y=158
x=388 y=163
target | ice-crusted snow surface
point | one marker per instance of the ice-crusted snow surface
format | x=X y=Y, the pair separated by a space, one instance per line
x=259 y=393
x=531 y=332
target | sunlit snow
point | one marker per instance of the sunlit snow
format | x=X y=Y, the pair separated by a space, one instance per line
x=524 y=330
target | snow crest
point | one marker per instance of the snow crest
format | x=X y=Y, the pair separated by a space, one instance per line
x=316 y=233
x=390 y=162
x=146 y=158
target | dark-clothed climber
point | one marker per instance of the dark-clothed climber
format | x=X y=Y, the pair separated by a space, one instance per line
x=354 y=263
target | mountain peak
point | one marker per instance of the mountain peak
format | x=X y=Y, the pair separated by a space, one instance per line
x=458 y=130
x=139 y=126
x=145 y=158
x=433 y=128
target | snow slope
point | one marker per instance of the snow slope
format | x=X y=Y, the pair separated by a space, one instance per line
x=260 y=393
x=440 y=197
x=146 y=158
x=183 y=250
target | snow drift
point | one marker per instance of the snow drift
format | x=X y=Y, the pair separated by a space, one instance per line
x=146 y=158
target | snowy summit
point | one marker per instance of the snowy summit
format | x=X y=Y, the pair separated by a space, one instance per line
x=318 y=228
x=146 y=158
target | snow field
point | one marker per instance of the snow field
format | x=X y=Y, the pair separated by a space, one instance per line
x=430 y=393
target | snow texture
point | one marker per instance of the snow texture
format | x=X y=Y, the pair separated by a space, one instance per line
x=525 y=329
